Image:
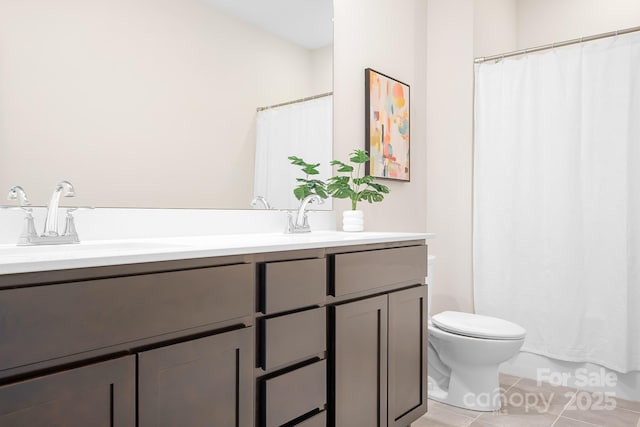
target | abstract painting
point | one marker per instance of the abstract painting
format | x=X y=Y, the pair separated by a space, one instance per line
x=387 y=126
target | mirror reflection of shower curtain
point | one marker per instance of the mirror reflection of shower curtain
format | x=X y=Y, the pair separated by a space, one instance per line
x=557 y=199
x=302 y=129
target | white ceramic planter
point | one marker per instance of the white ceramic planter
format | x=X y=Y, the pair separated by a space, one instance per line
x=353 y=220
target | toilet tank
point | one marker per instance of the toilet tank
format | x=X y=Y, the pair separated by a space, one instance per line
x=431 y=259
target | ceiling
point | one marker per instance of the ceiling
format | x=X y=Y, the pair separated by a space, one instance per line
x=308 y=23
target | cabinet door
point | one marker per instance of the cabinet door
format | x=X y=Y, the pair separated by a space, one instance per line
x=98 y=395
x=360 y=363
x=203 y=382
x=407 y=356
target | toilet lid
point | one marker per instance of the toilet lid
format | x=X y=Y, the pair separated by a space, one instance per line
x=478 y=326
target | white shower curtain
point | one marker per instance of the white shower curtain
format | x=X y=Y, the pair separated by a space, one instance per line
x=557 y=199
x=302 y=129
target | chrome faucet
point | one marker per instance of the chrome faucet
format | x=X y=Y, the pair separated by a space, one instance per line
x=50 y=236
x=63 y=188
x=260 y=200
x=301 y=223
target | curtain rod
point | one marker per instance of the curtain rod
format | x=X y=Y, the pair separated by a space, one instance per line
x=554 y=45
x=308 y=98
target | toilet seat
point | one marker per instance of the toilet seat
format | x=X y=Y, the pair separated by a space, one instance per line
x=478 y=326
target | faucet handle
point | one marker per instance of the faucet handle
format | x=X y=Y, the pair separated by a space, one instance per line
x=290 y=226
x=70 y=224
x=28 y=229
x=17 y=193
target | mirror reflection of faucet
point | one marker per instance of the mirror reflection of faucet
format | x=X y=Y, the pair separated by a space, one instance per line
x=259 y=200
x=301 y=223
x=50 y=235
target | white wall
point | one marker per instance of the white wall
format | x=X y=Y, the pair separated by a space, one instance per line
x=321 y=70
x=138 y=102
x=458 y=31
x=543 y=22
x=449 y=102
x=494 y=27
x=390 y=37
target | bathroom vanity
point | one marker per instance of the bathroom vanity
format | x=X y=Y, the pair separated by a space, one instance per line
x=327 y=329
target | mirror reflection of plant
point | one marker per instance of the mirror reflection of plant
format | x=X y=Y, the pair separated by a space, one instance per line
x=307 y=186
x=353 y=186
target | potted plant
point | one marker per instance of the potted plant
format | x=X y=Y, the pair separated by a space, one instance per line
x=307 y=186
x=351 y=185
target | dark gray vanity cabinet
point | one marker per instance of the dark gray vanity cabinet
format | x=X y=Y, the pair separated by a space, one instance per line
x=380 y=358
x=309 y=338
x=379 y=352
x=407 y=356
x=176 y=340
x=360 y=363
x=97 y=395
x=205 y=381
x=291 y=365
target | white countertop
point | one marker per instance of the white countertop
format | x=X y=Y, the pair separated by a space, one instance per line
x=95 y=253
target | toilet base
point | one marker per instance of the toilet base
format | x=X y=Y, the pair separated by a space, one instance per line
x=481 y=402
x=472 y=364
x=486 y=398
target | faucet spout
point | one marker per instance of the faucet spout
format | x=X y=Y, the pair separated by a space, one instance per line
x=63 y=189
x=301 y=218
x=301 y=224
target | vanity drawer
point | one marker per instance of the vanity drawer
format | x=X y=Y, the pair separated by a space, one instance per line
x=362 y=271
x=291 y=395
x=46 y=322
x=288 y=285
x=292 y=337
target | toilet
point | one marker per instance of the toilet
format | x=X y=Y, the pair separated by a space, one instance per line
x=464 y=353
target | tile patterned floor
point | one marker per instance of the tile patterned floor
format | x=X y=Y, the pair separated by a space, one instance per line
x=527 y=404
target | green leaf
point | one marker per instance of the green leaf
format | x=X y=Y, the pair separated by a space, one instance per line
x=379 y=187
x=370 y=196
x=343 y=167
x=339 y=190
x=310 y=169
x=364 y=180
x=368 y=179
x=341 y=193
x=296 y=161
x=341 y=180
x=301 y=192
x=359 y=156
x=320 y=192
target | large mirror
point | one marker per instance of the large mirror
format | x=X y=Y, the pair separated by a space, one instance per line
x=146 y=103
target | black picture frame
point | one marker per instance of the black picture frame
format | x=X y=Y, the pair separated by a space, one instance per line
x=387 y=126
